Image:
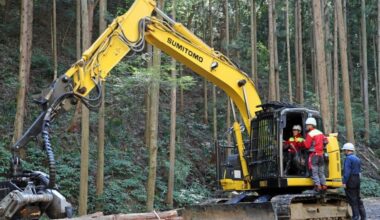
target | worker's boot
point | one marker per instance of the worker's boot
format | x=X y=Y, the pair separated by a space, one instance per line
x=362 y=212
x=317 y=188
x=324 y=187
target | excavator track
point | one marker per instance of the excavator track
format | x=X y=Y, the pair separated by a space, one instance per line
x=310 y=206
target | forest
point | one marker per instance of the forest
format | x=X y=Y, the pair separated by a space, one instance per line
x=151 y=143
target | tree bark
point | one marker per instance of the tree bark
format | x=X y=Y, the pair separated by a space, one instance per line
x=365 y=71
x=376 y=77
x=272 y=76
x=173 y=107
x=254 y=42
x=26 y=37
x=153 y=125
x=299 y=56
x=205 y=83
x=336 y=74
x=214 y=113
x=54 y=38
x=91 y=9
x=288 y=53
x=378 y=59
x=327 y=16
x=276 y=65
x=227 y=37
x=147 y=99
x=345 y=78
x=238 y=29
x=321 y=63
x=181 y=92
x=83 y=189
x=78 y=30
x=74 y=124
x=101 y=120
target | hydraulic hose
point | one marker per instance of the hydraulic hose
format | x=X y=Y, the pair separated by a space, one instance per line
x=48 y=149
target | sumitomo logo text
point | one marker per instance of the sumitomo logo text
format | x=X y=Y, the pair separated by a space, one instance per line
x=184 y=49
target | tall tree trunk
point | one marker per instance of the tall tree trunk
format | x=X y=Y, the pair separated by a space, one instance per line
x=327 y=16
x=348 y=36
x=288 y=53
x=313 y=45
x=299 y=56
x=214 y=113
x=153 y=130
x=54 y=39
x=147 y=99
x=83 y=189
x=26 y=36
x=153 y=125
x=78 y=30
x=205 y=83
x=254 y=42
x=276 y=65
x=101 y=121
x=345 y=78
x=365 y=71
x=74 y=124
x=272 y=76
x=91 y=9
x=361 y=74
x=205 y=101
x=238 y=29
x=321 y=63
x=378 y=59
x=227 y=23
x=181 y=92
x=376 y=77
x=314 y=55
x=173 y=107
x=336 y=73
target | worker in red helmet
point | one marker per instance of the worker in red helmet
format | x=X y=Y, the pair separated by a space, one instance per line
x=314 y=142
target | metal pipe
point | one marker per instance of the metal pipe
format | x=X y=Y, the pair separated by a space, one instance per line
x=233 y=110
x=164 y=16
x=246 y=103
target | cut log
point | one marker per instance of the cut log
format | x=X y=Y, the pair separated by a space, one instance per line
x=167 y=215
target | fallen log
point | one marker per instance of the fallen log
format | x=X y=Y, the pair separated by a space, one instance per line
x=167 y=215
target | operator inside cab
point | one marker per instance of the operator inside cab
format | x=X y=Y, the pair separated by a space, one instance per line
x=293 y=159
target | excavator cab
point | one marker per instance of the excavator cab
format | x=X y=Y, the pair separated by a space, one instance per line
x=268 y=162
x=270 y=165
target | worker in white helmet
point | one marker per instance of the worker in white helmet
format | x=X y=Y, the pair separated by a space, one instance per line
x=314 y=142
x=293 y=146
x=351 y=181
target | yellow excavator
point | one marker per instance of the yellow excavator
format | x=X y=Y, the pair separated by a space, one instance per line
x=255 y=169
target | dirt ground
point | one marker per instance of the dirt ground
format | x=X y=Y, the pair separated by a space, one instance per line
x=372 y=206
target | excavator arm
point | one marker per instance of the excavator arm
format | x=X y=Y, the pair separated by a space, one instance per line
x=130 y=33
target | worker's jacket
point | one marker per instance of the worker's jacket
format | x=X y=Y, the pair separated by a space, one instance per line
x=297 y=142
x=351 y=168
x=314 y=141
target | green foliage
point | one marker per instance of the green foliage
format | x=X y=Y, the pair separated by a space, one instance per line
x=377 y=153
x=370 y=187
x=41 y=63
x=4 y=162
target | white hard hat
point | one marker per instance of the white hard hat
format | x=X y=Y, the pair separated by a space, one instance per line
x=297 y=127
x=348 y=146
x=311 y=121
